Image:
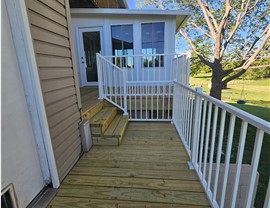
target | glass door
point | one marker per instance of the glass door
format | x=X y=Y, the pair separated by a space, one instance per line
x=90 y=44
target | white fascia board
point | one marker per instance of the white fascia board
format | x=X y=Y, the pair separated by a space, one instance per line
x=91 y=11
x=180 y=15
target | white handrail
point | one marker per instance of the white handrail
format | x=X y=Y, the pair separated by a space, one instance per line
x=146 y=82
x=142 y=55
x=108 y=62
x=111 y=83
x=253 y=120
x=205 y=150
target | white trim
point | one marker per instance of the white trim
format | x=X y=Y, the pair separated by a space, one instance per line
x=21 y=33
x=180 y=15
x=102 y=11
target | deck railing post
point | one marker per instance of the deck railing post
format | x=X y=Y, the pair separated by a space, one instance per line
x=196 y=123
x=187 y=70
x=125 y=89
x=100 y=77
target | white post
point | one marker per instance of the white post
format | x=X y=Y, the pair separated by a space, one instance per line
x=125 y=89
x=188 y=68
x=254 y=164
x=100 y=77
x=195 y=135
x=267 y=197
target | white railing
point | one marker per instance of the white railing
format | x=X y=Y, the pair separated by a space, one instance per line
x=209 y=130
x=214 y=133
x=112 y=83
x=146 y=82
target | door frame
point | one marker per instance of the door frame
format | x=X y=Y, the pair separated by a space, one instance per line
x=82 y=70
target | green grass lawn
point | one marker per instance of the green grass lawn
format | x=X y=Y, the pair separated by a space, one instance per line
x=257 y=96
x=256 y=92
x=264 y=164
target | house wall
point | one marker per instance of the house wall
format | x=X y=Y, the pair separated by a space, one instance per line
x=106 y=21
x=52 y=38
x=20 y=161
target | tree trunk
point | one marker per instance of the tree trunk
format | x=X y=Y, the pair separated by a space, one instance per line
x=216 y=82
x=216 y=87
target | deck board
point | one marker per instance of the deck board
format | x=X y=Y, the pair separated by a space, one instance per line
x=149 y=169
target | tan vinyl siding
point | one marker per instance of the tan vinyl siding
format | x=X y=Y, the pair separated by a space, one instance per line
x=50 y=29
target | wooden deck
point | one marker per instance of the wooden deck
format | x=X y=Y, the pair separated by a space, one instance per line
x=149 y=169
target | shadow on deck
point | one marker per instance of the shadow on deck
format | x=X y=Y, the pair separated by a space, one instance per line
x=149 y=169
x=89 y=97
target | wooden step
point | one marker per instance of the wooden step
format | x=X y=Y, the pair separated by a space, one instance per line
x=101 y=121
x=93 y=110
x=114 y=134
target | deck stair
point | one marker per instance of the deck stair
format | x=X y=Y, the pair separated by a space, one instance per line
x=107 y=123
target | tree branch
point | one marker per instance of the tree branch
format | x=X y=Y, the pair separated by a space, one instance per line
x=228 y=71
x=203 y=60
x=199 y=28
x=205 y=13
x=234 y=76
x=224 y=19
x=156 y=3
x=258 y=67
x=248 y=62
x=212 y=17
x=239 y=17
x=189 y=41
x=255 y=41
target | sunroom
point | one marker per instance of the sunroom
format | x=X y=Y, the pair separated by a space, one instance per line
x=126 y=33
x=135 y=48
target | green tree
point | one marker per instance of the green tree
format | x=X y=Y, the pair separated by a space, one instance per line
x=237 y=31
x=197 y=66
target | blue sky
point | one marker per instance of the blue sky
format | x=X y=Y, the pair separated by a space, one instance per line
x=131 y=4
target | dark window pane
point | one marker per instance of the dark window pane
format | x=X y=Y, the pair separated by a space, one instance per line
x=158 y=32
x=147 y=33
x=91 y=43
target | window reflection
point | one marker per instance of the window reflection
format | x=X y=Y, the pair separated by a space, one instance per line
x=153 y=43
x=122 y=44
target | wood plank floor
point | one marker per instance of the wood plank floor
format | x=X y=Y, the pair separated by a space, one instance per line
x=149 y=169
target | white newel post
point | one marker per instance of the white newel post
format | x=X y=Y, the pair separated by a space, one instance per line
x=188 y=68
x=125 y=89
x=100 y=77
x=196 y=125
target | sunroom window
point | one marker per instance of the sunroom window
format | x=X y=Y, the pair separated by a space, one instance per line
x=153 y=43
x=122 y=44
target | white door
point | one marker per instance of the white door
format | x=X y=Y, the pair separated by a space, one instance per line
x=90 y=44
